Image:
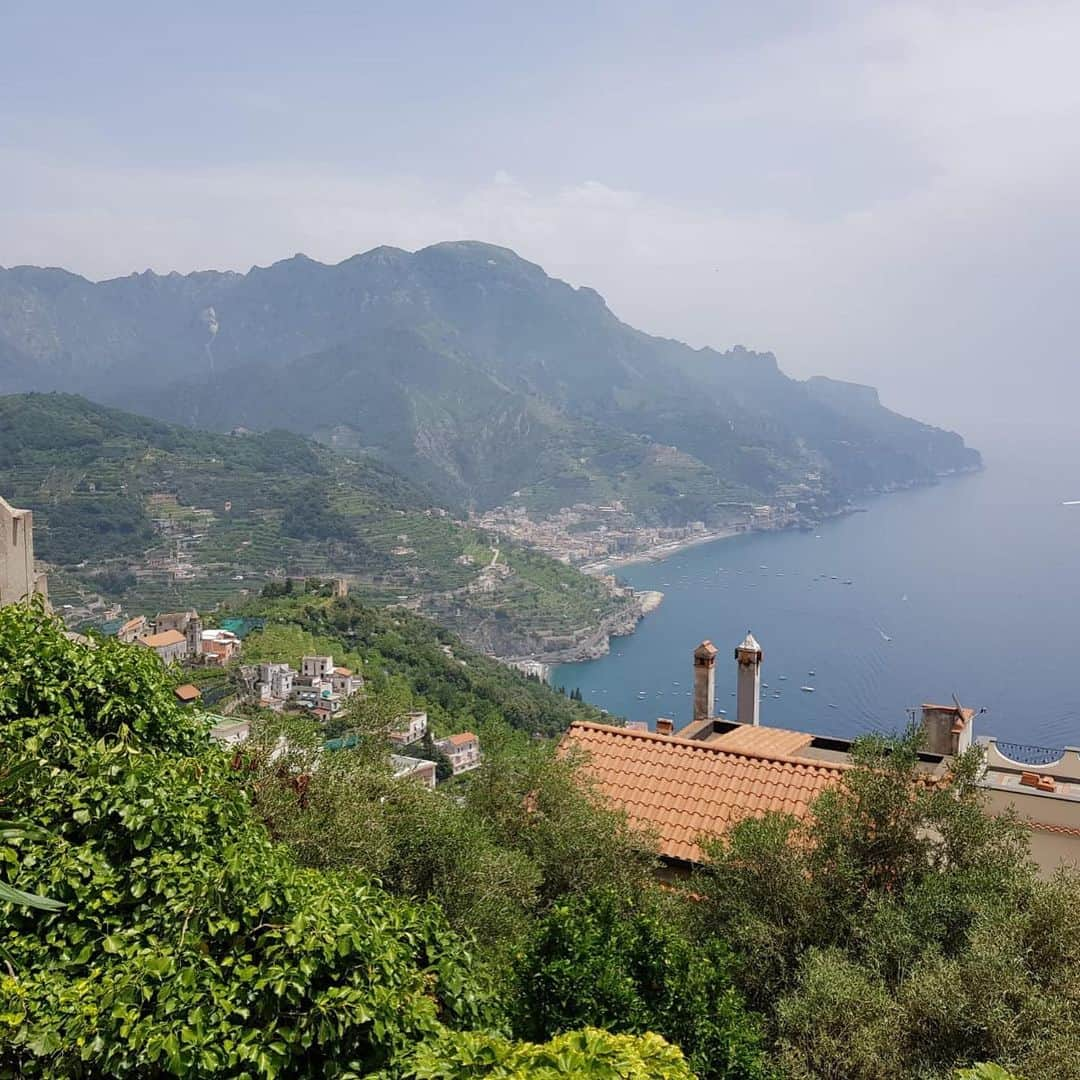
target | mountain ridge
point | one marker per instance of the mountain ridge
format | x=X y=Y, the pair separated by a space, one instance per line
x=468 y=366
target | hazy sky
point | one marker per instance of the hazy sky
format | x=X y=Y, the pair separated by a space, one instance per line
x=884 y=192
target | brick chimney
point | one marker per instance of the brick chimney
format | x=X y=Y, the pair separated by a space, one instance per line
x=704 y=681
x=665 y=726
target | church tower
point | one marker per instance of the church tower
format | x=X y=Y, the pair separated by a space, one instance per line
x=749 y=656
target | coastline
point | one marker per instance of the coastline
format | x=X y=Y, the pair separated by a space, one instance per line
x=662 y=551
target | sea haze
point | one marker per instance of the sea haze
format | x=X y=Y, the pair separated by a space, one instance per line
x=971 y=587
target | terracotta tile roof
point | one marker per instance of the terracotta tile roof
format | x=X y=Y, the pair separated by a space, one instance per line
x=132 y=624
x=188 y=692
x=682 y=789
x=463 y=738
x=167 y=637
x=343 y=671
x=1060 y=830
x=750 y=738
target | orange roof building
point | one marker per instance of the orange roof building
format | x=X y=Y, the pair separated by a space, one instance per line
x=187 y=693
x=683 y=790
x=462 y=738
x=166 y=637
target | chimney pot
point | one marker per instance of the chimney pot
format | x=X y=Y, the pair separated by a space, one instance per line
x=664 y=726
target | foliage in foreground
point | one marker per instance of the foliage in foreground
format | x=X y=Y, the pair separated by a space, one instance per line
x=190 y=944
x=628 y=965
x=558 y=891
x=899 y=932
x=588 y=1053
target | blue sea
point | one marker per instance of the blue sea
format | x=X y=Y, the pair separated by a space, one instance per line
x=968 y=588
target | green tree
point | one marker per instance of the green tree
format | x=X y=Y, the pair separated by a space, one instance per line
x=626 y=964
x=589 y=1054
x=188 y=944
x=900 y=929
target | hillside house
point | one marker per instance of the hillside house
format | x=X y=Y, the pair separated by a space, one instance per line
x=344 y=682
x=229 y=731
x=275 y=682
x=462 y=751
x=220 y=646
x=316 y=667
x=414 y=768
x=409 y=729
x=170 y=645
x=187 y=694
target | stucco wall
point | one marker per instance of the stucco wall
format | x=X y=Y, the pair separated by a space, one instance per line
x=17 y=576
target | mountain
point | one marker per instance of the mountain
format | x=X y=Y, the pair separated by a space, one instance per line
x=158 y=516
x=469 y=368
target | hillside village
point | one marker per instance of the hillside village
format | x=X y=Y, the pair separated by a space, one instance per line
x=204 y=654
x=593 y=536
x=749 y=765
x=678 y=794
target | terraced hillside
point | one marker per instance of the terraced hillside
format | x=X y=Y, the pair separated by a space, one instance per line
x=155 y=516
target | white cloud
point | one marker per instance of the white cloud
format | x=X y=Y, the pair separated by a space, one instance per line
x=922 y=282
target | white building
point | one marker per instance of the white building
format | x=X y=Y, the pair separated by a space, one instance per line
x=409 y=729
x=276 y=681
x=462 y=750
x=417 y=768
x=317 y=667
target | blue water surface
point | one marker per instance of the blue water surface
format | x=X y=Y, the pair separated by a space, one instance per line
x=971 y=587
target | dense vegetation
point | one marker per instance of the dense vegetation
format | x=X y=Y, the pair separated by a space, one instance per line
x=114 y=493
x=458 y=686
x=189 y=943
x=468 y=367
x=900 y=931
x=288 y=910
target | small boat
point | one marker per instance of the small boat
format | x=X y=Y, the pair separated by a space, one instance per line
x=832 y=706
x=721 y=712
x=776 y=693
x=782 y=678
x=849 y=582
x=807 y=689
x=811 y=673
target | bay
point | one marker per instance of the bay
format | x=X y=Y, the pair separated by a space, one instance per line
x=970 y=587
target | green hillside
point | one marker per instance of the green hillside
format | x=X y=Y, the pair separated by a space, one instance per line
x=159 y=516
x=466 y=366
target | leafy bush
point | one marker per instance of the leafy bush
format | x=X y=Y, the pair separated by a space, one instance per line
x=590 y=1054
x=626 y=964
x=189 y=943
x=899 y=931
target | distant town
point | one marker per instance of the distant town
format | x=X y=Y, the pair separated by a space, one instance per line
x=596 y=537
